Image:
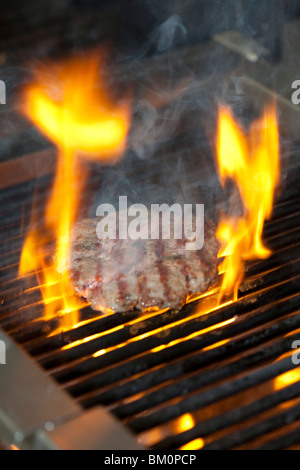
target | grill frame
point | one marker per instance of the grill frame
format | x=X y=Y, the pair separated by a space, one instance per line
x=50 y=419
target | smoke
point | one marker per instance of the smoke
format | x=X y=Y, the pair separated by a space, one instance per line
x=169 y=33
x=165 y=52
x=171 y=145
x=180 y=75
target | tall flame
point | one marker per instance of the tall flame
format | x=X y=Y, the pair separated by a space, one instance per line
x=70 y=106
x=251 y=160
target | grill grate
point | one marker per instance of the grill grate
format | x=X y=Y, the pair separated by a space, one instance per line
x=183 y=379
x=216 y=380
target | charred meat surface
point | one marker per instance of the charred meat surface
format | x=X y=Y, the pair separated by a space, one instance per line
x=124 y=274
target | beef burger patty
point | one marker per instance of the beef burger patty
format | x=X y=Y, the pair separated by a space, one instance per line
x=124 y=274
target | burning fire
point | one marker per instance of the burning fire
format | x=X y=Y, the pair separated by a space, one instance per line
x=251 y=160
x=73 y=110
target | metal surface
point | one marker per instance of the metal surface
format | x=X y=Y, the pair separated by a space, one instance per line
x=36 y=414
x=28 y=399
x=93 y=430
x=243 y=45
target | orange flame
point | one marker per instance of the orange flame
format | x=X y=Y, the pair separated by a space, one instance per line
x=74 y=111
x=251 y=160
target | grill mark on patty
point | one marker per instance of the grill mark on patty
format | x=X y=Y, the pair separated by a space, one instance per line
x=122 y=287
x=119 y=276
x=143 y=290
x=207 y=259
x=162 y=269
x=140 y=286
x=185 y=270
x=144 y=294
x=76 y=273
x=99 y=277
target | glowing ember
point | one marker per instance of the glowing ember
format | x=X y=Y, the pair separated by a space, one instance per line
x=251 y=160
x=72 y=108
x=287 y=378
x=196 y=444
x=184 y=423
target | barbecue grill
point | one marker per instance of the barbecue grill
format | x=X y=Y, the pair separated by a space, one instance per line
x=195 y=378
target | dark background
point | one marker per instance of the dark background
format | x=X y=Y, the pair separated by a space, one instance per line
x=138 y=29
x=56 y=27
